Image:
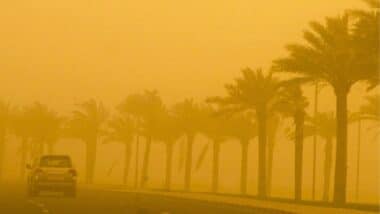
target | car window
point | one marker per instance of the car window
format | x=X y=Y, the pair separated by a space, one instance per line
x=55 y=161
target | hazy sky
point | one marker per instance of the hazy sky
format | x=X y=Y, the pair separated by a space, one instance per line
x=59 y=52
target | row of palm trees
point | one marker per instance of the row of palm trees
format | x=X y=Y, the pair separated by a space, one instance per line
x=145 y=116
x=339 y=53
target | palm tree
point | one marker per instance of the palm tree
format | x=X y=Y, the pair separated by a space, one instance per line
x=332 y=55
x=187 y=114
x=256 y=91
x=146 y=109
x=292 y=103
x=323 y=124
x=54 y=130
x=215 y=127
x=169 y=133
x=366 y=36
x=121 y=128
x=20 y=127
x=87 y=124
x=44 y=127
x=368 y=111
x=4 y=125
x=318 y=87
x=242 y=128
x=36 y=126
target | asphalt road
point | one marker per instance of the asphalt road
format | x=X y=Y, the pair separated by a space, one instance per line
x=13 y=200
x=89 y=201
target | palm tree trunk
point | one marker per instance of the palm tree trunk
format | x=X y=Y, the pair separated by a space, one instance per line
x=182 y=154
x=189 y=157
x=169 y=161
x=315 y=141
x=244 y=165
x=127 y=161
x=341 y=149
x=90 y=162
x=327 y=169
x=215 y=166
x=137 y=161
x=2 y=152
x=262 y=126
x=24 y=152
x=144 y=177
x=358 y=162
x=201 y=157
x=270 y=163
x=299 y=122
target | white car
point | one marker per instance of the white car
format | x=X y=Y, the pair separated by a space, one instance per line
x=52 y=173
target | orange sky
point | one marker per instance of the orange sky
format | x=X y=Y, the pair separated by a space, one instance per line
x=59 y=52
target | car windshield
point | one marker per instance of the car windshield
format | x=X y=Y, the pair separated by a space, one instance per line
x=55 y=161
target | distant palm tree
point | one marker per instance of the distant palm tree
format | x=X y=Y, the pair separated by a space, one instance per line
x=121 y=128
x=333 y=56
x=323 y=124
x=256 y=91
x=370 y=110
x=215 y=127
x=293 y=103
x=44 y=127
x=54 y=131
x=4 y=126
x=146 y=109
x=38 y=125
x=20 y=127
x=242 y=128
x=169 y=132
x=187 y=114
x=87 y=124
